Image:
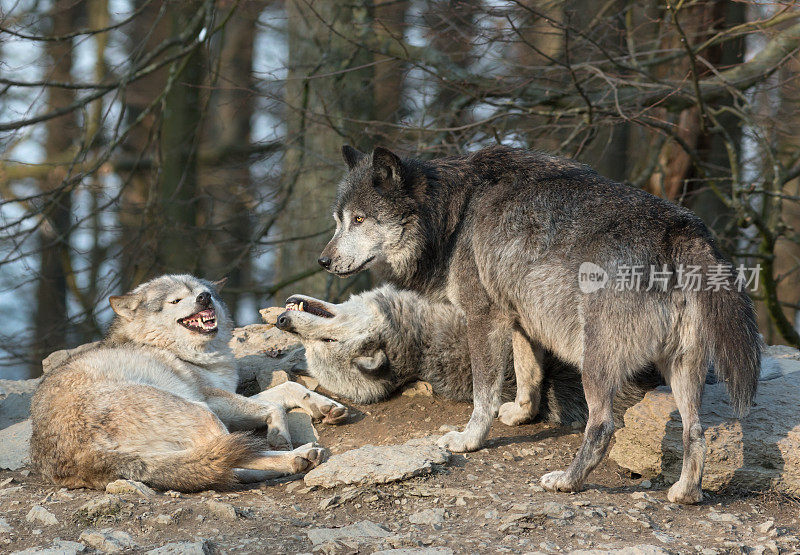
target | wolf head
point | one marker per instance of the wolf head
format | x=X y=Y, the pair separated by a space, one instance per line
x=181 y=313
x=375 y=214
x=344 y=345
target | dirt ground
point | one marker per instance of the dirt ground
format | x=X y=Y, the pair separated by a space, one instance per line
x=481 y=503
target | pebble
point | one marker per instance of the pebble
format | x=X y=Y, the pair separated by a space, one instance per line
x=428 y=516
x=106 y=505
x=199 y=547
x=110 y=541
x=765 y=527
x=130 y=486
x=41 y=515
x=225 y=511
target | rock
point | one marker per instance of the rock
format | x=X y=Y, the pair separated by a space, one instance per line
x=301 y=428
x=130 y=486
x=165 y=520
x=360 y=530
x=58 y=547
x=634 y=550
x=40 y=515
x=765 y=527
x=308 y=382
x=415 y=551
x=106 y=505
x=58 y=358
x=379 y=464
x=15 y=400
x=760 y=452
x=418 y=388
x=427 y=516
x=225 y=511
x=270 y=314
x=110 y=541
x=182 y=548
x=15 y=440
x=5 y=527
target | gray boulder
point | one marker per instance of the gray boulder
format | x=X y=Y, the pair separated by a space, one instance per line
x=760 y=451
x=15 y=440
x=379 y=464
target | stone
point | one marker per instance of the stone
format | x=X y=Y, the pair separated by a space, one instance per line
x=301 y=427
x=15 y=440
x=106 y=505
x=427 y=516
x=40 y=515
x=182 y=548
x=224 y=511
x=312 y=384
x=365 y=529
x=415 y=551
x=418 y=388
x=379 y=464
x=58 y=547
x=15 y=400
x=761 y=451
x=110 y=541
x=632 y=550
x=58 y=358
x=130 y=486
x=5 y=527
x=765 y=527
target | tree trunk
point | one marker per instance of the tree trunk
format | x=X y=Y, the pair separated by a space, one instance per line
x=51 y=318
x=329 y=98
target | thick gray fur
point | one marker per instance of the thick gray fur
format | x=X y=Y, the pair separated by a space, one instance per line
x=501 y=233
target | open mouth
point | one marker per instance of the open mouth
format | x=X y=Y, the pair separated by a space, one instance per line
x=204 y=321
x=308 y=306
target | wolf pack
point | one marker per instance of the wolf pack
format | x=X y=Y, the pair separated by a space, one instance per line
x=479 y=256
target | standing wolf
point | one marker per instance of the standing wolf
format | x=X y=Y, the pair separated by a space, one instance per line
x=502 y=234
x=154 y=402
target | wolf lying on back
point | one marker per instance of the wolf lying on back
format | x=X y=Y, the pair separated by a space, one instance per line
x=369 y=346
x=154 y=402
x=502 y=233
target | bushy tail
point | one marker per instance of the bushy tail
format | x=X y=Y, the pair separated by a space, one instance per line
x=730 y=329
x=205 y=466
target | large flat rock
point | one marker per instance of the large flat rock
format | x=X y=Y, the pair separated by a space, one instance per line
x=373 y=464
x=760 y=451
x=15 y=441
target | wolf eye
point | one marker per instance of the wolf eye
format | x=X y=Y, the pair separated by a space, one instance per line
x=358 y=219
x=176 y=301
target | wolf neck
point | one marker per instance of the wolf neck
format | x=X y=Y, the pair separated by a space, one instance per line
x=214 y=354
x=441 y=192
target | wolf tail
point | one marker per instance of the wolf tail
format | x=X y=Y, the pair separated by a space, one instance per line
x=733 y=343
x=204 y=466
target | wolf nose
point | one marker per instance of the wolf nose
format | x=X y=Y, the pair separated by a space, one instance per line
x=204 y=298
x=324 y=261
x=282 y=321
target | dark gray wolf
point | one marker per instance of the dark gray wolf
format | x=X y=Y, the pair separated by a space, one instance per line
x=502 y=233
x=369 y=346
x=155 y=401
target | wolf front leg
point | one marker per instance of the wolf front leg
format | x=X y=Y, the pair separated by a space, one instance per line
x=241 y=413
x=292 y=395
x=528 y=370
x=488 y=338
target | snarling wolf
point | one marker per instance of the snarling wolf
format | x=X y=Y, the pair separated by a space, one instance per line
x=369 y=346
x=502 y=234
x=155 y=401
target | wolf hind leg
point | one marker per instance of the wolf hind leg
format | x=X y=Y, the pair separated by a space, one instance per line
x=292 y=395
x=687 y=378
x=529 y=375
x=599 y=389
x=280 y=463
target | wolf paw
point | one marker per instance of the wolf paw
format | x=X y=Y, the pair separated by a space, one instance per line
x=511 y=414
x=279 y=439
x=687 y=495
x=307 y=457
x=459 y=442
x=335 y=414
x=557 y=481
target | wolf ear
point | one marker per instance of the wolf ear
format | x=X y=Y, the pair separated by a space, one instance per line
x=372 y=365
x=218 y=285
x=351 y=156
x=125 y=305
x=386 y=165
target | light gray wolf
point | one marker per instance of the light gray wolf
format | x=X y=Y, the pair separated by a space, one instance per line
x=155 y=401
x=369 y=346
x=502 y=233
